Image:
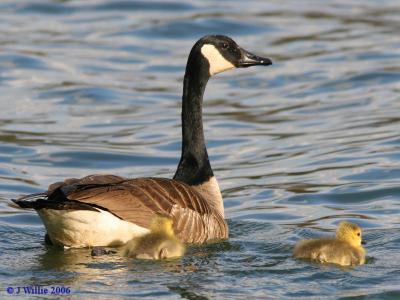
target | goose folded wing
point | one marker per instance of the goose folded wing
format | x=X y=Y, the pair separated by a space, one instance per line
x=139 y=200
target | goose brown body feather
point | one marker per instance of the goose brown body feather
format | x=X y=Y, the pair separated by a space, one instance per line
x=138 y=201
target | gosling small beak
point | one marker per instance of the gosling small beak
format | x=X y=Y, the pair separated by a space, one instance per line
x=363 y=242
x=249 y=59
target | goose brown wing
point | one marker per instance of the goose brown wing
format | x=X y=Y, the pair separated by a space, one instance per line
x=136 y=201
x=56 y=197
x=75 y=183
x=139 y=200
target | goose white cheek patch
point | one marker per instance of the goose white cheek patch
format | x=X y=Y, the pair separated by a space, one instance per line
x=217 y=62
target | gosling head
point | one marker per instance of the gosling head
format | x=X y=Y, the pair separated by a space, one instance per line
x=220 y=53
x=161 y=224
x=350 y=233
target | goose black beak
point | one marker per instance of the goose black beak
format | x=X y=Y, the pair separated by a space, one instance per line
x=249 y=59
x=363 y=242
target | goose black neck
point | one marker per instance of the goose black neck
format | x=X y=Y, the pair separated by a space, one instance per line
x=194 y=167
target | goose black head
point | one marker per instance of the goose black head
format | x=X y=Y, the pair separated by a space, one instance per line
x=221 y=53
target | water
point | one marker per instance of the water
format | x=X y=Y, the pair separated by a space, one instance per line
x=95 y=86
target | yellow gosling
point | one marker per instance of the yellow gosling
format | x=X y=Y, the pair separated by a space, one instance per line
x=160 y=243
x=345 y=249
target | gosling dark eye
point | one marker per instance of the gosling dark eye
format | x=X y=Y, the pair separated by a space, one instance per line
x=358 y=234
x=224 y=46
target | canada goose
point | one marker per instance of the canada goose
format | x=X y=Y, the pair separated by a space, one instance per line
x=160 y=243
x=109 y=210
x=345 y=249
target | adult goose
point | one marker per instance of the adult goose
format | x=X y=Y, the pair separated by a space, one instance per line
x=109 y=210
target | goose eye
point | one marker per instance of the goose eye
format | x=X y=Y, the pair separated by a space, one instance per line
x=224 y=46
x=358 y=234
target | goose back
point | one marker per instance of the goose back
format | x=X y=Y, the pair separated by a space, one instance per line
x=137 y=201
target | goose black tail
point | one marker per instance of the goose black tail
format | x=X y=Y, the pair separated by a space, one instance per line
x=40 y=200
x=30 y=201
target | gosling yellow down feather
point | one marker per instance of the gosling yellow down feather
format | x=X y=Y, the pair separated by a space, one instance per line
x=160 y=243
x=345 y=249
